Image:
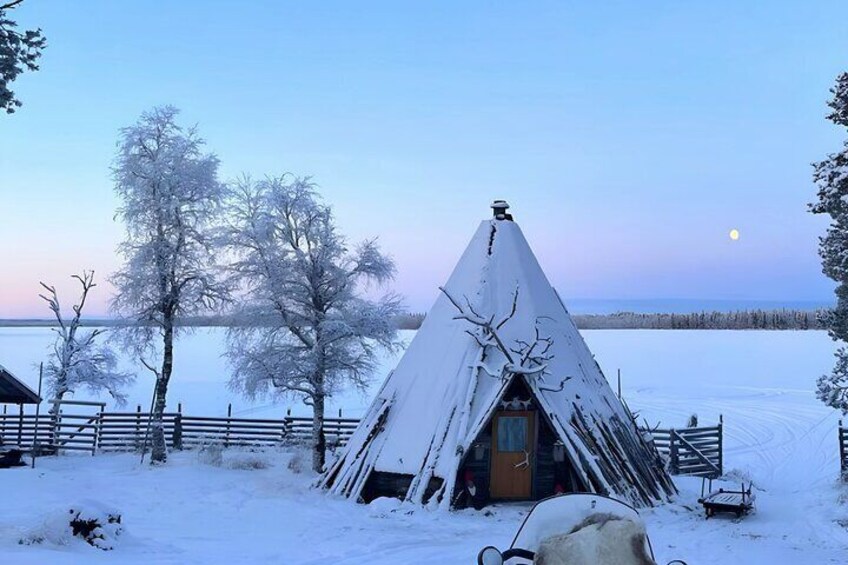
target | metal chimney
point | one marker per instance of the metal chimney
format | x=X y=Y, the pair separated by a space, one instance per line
x=499 y=209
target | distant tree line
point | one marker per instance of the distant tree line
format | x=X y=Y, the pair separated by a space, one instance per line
x=739 y=320
x=784 y=319
x=409 y=321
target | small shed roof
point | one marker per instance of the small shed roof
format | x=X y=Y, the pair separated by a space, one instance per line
x=13 y=391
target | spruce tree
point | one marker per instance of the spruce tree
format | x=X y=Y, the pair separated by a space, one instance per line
x=831 y=178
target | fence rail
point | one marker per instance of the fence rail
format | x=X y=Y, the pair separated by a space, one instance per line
x=126 y=431
x=692 y=451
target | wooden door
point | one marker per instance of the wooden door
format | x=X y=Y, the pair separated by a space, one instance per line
x=513 y=450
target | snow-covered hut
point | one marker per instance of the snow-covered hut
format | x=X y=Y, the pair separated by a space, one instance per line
x=497 y=389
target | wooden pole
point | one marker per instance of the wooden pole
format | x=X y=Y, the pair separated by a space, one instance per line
x=619 y=384
x=842 y=454
x=721 y=444
x=149 y=420
x=227 y=434
x=20 y=424
x=37 y=413
x=672 y=436
x=97 y=421
x=54 y=423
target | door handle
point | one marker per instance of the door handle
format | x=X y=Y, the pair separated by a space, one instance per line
x=523 y=464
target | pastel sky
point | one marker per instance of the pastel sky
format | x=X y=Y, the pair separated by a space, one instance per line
x=629 y=137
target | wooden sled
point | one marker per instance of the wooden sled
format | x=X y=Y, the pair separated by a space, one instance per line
x=739 y=502
x=11 y=458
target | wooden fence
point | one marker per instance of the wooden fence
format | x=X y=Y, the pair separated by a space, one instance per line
x=692 y=451
x=126 y=431
x=843 y=451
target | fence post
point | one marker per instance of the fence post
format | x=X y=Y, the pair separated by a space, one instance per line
x=619 y=384
x=721 y=444
x=20 y=425
x=672 y=445
x=843 y=456
x=98 y=427
x=3 y=426
x=227 y=434
x=178 y=431
x=55 y=420
x=138 y=442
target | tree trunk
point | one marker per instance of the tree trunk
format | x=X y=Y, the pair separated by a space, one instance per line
x=318 y=440
x=60 y=394
x=157 y=425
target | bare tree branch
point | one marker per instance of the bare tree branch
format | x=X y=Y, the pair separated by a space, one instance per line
x=10 y=5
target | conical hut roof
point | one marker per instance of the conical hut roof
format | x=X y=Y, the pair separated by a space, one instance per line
x=497 y=319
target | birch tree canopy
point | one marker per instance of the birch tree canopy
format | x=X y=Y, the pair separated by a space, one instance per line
x=170 y=199
x=306 y=329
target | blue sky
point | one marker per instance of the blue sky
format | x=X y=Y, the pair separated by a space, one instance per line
x=629 y=137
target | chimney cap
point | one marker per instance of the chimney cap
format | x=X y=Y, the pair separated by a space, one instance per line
x=499 y=210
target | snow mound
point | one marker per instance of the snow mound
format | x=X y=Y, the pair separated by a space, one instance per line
x=383 y=506
x=246 y=461
x=95 y=523
x=211 y=453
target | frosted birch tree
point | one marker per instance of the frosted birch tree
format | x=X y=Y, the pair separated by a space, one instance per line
x=306 y=329
x=831 y=178
x=19 y=52
x=170 y=196
x=78 y=358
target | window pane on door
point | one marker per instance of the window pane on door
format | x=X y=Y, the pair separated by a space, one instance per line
x=512 y=433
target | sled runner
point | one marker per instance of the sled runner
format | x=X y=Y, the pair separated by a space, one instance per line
x=739 y=502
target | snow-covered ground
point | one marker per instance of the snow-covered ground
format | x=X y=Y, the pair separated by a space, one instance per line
x=188 y=512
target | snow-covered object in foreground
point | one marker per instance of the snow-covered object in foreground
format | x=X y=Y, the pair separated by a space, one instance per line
x=577 y=529
x=603 y=541
x=95 y=523
x=383 y=506
x=497 y=347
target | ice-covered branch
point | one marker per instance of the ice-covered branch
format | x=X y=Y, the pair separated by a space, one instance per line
x=489 y=331
x=526 y=358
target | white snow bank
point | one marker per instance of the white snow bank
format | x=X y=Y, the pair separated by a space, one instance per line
x=87 y=521
x=383 y=506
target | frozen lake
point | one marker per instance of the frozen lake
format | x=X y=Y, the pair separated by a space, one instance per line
x=659 y=368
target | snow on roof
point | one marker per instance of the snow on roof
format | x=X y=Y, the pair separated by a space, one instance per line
x=13 y=391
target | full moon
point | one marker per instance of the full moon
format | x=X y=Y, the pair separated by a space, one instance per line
x=734 y=234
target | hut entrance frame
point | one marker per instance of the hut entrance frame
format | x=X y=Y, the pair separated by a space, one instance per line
x=513 y=451
x=539 y=469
